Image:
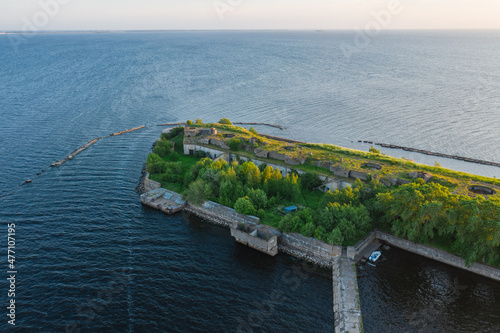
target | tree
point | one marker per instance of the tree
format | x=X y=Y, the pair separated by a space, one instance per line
x=253 y=131
x=189 y=122
x=199 y=122
x=258 y=197
x=335 y=237
x=308 y=229
x=163 y=148
x=320 y=233
x=225 y=121
x=198 y=192
x=310 y=180
x=245 y=206
x=234 y=144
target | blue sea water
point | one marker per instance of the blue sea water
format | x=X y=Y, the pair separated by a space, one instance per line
x=89 y=256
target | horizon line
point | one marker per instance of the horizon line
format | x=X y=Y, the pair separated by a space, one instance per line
x=256 y=29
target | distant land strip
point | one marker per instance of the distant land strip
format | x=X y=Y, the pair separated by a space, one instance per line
x=235 y=123
x=426 y=152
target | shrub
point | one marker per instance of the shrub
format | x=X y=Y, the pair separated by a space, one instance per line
x=310 y=180
x=235 y=144
x=199 y=122
x=163 y=148
x=174 y=157
x=189 y=122
x=225 y=121
x=245 y=206
x=374 y=150
x=253 y=131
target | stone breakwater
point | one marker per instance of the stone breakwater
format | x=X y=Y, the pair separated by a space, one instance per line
x=346 y=304
x=426 y=152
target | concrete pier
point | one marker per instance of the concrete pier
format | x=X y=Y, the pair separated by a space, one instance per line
x=346 y=304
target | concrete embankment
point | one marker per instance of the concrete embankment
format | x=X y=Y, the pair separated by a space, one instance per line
x=426 y=152
x=346 y=304
x=425 y=251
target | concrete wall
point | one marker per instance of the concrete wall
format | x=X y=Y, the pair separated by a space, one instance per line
x=214 y=153
x=346 y=304
x=268 y=246
x=219 y=214
x=309 y=249
x=438 y=255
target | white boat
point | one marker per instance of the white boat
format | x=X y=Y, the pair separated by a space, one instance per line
x=374 y=256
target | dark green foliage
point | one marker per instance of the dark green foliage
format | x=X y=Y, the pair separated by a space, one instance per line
x=198 y=192
x=163 y=148
x=173 y=133
x=310 y=180
x=245 y=206
x=189 y=122
x=235 y=144
x=225 y=121
x=258 y=197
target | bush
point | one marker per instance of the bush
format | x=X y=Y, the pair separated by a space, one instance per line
x=225 y=121
x=189 y=122
x=245 y=206
x=174 y=157
x=310 y=180
x=163 y=148
x=199 y=122
x=235 y=144
x=374 y=150
x=253 y=131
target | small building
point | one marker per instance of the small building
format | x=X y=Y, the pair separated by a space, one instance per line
x=291 y=209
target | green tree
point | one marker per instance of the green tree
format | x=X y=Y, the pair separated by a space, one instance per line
x=163 y=148
x=245 y=206
x=310 y=180
x=258 y=197
x=235 y=144
x=197 y=192
x=308 y=229
x=335 y=237
x=199 y=122
x=225 y=121
x=253 y=131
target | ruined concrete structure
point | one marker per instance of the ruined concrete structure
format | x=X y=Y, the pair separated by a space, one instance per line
x=257 y=237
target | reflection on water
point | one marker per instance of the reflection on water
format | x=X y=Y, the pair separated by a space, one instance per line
x=408 y=293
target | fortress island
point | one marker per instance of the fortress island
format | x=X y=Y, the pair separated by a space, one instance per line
x=330 y=205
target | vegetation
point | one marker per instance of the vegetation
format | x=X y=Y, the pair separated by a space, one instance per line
x=437 y=212
x=225 y=121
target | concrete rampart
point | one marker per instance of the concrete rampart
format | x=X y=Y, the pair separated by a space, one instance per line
x=309 y=249
x=220 y=214
x=438 y=255
x=256 y=237
x=346 y=304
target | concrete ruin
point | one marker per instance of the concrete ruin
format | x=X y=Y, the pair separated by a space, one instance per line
x=257 y=237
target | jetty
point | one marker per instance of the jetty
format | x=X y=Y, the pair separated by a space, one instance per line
x=431 y=153
x=76 y=152
x=164 y=200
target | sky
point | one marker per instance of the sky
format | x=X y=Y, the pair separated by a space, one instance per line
x=26 y=15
